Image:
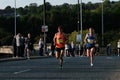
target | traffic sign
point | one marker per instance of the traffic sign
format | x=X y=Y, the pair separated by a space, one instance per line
x=44 y=28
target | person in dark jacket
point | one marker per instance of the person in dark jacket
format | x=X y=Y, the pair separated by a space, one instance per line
x=29 y=45
x=14 y=47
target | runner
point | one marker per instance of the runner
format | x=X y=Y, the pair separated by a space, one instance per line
x=59 y=42
x=90 y=40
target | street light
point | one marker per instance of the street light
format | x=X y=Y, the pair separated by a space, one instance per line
x=44 y=23
x=102 y=25
x=15 y=20
x=80 y=18
x=44 y=11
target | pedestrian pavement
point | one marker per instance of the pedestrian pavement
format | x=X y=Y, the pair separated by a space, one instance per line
x=21 y=58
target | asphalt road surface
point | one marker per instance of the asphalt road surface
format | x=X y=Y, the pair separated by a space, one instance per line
x=74 y=68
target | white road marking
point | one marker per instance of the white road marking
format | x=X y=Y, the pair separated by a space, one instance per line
x=109 y=57
x=18 y=72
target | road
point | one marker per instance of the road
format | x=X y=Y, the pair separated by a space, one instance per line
x=75 y=68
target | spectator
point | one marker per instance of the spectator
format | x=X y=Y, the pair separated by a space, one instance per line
x=72 y=49
x=14 y=47
x=22 y=46
x=67 y=50
x=109 y=49
x=97 y=49
x=118 y=47
x=52 y=49
x=81 y=50
x=29 y=45
x=41 y=45
x=18 y=44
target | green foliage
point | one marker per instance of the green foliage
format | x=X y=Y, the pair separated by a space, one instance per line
x=112 y=37
x=5 y=38
x=73 y=35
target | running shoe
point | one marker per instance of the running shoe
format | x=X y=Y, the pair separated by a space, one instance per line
x=91 y=64
x=61 y=67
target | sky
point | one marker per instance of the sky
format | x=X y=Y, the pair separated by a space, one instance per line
x=23 y=3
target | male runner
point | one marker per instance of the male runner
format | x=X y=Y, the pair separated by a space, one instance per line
x=59 y=42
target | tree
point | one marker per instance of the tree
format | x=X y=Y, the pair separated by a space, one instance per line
x=31 y=19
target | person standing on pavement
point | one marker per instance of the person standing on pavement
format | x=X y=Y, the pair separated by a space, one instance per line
x=72 y=49
x=18 y=44
x=118 y=47
x=41 y=45
x=59 y=42
x=29 y=45
x=90 y=40
x=109 y=49
x=14 y=46
x=67 y=50
x=22 y=46
x=52 y=49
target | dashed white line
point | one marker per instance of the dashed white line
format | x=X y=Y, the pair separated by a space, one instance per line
x=22 y=71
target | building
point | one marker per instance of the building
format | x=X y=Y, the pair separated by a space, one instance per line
x=33 y=4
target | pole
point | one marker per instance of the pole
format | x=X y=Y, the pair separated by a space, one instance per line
x=15 y=20
x=102 y=25
x=78 y=16
x=44 y=19
x=44 y=22
x=81 y=20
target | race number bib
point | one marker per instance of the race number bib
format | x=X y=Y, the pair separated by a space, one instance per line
x=60 y=41
x=90 y=41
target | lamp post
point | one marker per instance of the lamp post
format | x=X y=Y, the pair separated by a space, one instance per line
x=80 y=19
x=44 y=23
x=78 y=16
x=44 y=11
x=102 y=24
x=15 y=20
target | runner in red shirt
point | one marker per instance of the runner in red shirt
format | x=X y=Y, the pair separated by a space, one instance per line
x=59 y=42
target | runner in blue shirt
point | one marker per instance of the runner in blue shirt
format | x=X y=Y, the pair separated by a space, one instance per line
x=90 y=40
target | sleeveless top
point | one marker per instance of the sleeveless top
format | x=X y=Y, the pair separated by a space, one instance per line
x=90 y=41
x=118 y=44
x=60 y=40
